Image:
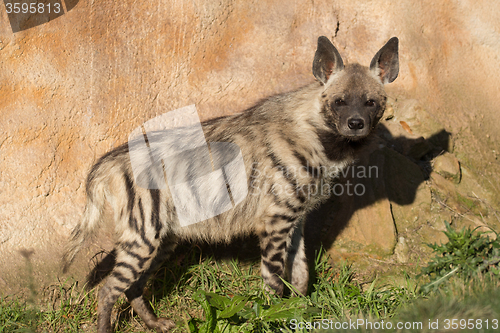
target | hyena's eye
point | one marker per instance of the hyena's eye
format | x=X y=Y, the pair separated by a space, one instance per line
x=339 y=102
x=370 y=102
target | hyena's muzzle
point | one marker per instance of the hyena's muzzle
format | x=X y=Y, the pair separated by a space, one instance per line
x=357 y=119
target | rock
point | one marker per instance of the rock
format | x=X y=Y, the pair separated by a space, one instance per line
x=438 y=218
x=448 y=166
x=457 y=199
x=430 y=235
x=389 y=113
x=470 y=187
x=444 y=185
x=448 y=192
x=370 y=230
x=402 y=251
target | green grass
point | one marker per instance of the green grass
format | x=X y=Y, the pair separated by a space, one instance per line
x=67 y=315
x=461 y=283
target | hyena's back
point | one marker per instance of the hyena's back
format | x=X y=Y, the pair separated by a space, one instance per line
x=265 y=140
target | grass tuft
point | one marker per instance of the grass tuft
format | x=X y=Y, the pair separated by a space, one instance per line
x=466 y=254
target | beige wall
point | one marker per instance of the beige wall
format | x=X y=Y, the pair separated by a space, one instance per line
x=75 y=87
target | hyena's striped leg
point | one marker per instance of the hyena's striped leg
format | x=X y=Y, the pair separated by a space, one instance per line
x=133 y=259
x=297 y=270
x=273 y=243
x=134 y=264
x=134 y=293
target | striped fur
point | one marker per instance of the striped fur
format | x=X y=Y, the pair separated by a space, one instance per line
x=292 y=145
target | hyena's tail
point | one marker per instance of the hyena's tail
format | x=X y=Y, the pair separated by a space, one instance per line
x=85 y=228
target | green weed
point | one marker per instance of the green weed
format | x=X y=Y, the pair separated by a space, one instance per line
x=466 y=254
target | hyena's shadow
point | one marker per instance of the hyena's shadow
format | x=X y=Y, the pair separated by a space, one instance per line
x=391 y=168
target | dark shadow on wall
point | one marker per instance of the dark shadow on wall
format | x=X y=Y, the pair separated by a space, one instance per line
x=392 y=168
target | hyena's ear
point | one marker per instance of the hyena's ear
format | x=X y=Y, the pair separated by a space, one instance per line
x=386 y=62
x=327 y=60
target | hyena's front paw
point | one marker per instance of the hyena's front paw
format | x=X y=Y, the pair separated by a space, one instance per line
x=163 y=325
x=274 y=286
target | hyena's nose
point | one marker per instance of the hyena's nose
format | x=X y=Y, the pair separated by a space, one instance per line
x=355 y=123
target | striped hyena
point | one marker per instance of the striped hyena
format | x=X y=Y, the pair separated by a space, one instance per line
x=292 y=144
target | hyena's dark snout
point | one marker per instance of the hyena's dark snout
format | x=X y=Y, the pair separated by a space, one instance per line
x=355 y=123
x=355 y=126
